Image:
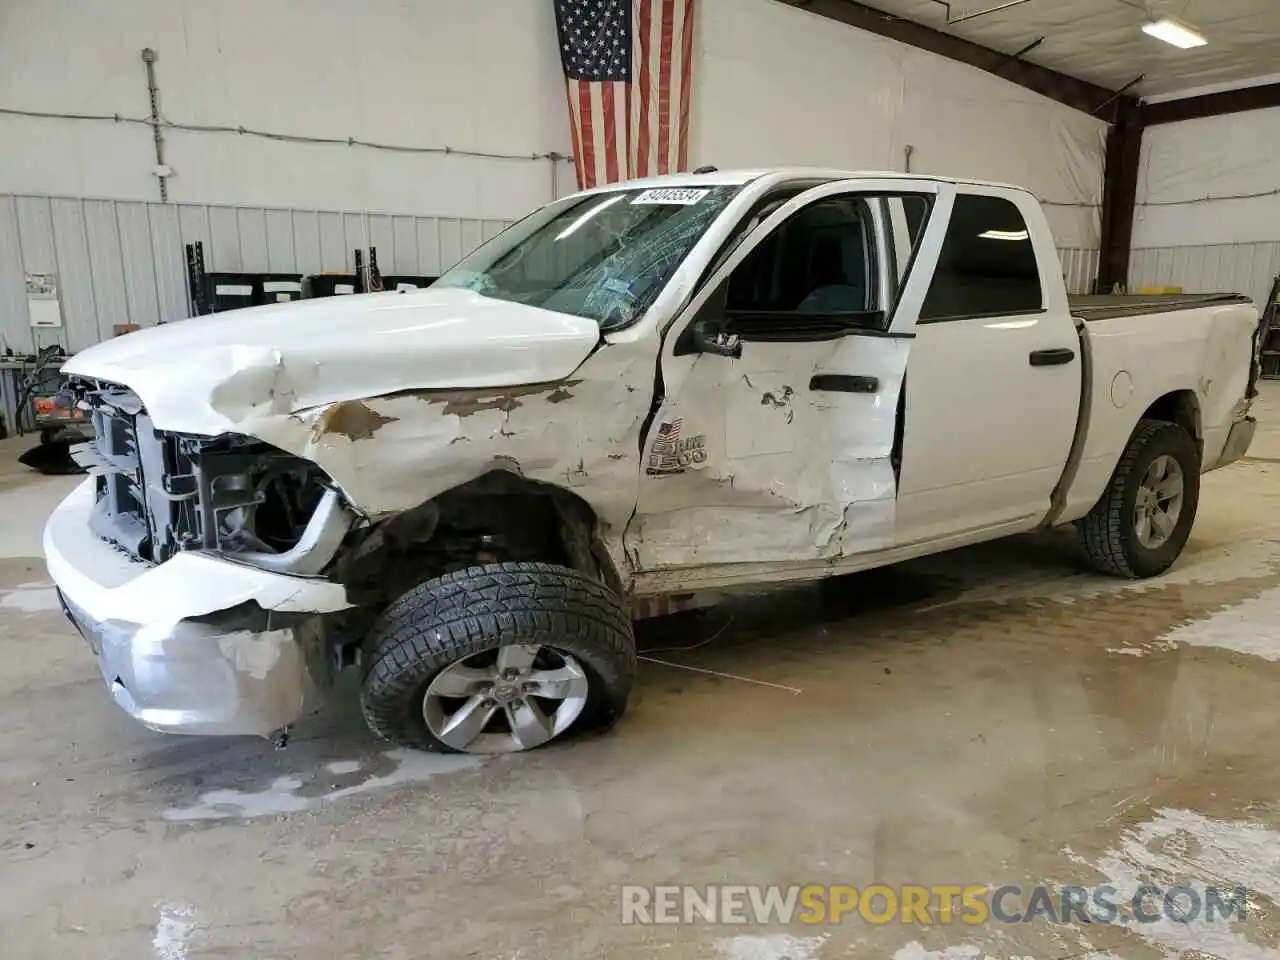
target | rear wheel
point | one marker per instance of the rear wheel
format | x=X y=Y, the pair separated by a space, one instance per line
x=498 y=659
x=1140 y=525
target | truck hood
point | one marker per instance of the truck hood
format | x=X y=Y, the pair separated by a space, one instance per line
x=210 y=375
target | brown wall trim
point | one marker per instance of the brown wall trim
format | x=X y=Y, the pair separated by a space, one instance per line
x=1212 y=104
x=1080 y=94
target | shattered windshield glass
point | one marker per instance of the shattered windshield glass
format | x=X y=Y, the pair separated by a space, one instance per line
x=605 y=256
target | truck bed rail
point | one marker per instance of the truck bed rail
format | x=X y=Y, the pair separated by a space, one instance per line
x=1108 y=307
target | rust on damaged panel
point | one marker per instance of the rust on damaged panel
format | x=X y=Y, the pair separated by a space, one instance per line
x=352 y=419
x=464 y=403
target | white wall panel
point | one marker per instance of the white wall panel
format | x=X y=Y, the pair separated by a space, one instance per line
x=124 y=261
x=1208 y=216
x=479 y=75
x=169 y=259
x=193 y=224
x=451 y=243
x=382 y=237
x=136 y=250
x=1248 y=268
x=779 y=86
x=222 y=253
x=1189 y=168
x=355 y=234
x=13 y=297
x=429 y=254
x=306 y=241
x=773 y=85
x=405 y=246
x=333 y=243
x=71 y=242
x=251 y=225
x=35 y=231
x=106 y=261
x=280 y=253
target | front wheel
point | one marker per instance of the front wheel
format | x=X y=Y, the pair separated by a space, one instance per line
x=498 y=659
x=1140 y=525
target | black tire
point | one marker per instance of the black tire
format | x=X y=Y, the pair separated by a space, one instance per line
x=481 y=608
x=1108 y=534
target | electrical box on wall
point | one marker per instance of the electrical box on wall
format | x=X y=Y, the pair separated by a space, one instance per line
x=42 y=301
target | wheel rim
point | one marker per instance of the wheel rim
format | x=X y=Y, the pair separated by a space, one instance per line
x=506 y=699
x=1159 y=502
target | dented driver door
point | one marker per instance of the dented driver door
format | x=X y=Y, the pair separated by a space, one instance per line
x=774 y=442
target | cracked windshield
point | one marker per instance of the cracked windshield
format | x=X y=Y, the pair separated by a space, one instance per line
x=605 y=256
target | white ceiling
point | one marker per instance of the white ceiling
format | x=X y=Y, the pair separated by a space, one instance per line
x=1102 y=40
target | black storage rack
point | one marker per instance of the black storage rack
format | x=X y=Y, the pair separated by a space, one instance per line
x=1269 y=335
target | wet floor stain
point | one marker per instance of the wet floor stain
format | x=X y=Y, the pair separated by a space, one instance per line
x=916 y=951
x=1252 y=628
x=777 y=946
x=296 y=794
x=842 y=627
x=173 y=930
x=1195 y=860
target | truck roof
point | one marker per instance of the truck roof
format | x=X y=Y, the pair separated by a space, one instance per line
x=740 y=177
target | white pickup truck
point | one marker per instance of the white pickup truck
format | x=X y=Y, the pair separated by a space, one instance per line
x=630 y=399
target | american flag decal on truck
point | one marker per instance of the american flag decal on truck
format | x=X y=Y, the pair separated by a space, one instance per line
x=670 y=454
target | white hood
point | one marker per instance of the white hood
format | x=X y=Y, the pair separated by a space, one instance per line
x=210 y=374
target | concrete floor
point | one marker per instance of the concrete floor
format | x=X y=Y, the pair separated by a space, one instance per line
x=993 y=716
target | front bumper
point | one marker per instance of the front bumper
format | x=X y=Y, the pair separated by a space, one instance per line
x=198 y=644
x=230 y=673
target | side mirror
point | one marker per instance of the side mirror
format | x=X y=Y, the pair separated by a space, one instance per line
x=710 y=337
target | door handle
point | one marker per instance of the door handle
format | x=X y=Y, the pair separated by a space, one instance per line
x=844 y=383
x=1052 y=358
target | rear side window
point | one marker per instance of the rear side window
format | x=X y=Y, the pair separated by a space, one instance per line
x=988 y=264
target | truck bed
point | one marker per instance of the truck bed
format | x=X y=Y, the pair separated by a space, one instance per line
x=1107 y=306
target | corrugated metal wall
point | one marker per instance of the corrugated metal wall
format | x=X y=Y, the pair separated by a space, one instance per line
x=1079 y=269
x=123 y=262
x=1248 y=268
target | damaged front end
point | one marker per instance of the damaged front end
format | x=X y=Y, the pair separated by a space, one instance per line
x=160 y=493
x=192 y=567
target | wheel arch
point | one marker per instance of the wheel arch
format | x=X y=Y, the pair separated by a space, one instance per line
x=498 y=516
x=1181 y=407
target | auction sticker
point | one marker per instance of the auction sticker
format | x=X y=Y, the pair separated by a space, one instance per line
x=671 y=195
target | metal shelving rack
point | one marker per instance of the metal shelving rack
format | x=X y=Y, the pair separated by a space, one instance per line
x=1270 y=335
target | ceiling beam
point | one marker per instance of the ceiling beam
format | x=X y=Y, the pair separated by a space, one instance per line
x=1080 y=94
x=1212 y=104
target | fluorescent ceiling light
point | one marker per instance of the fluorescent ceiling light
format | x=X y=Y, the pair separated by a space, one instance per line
x=1004 y=235
x=1173 y=32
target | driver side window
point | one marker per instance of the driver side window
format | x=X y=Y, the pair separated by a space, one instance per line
x=820 y=261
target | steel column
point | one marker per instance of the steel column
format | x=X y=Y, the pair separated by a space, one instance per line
x=1120 y=194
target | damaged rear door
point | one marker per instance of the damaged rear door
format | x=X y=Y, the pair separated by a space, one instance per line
x=774 y=437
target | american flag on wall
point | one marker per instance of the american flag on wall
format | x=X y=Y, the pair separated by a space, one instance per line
x=628 y=66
